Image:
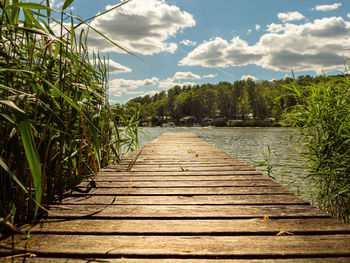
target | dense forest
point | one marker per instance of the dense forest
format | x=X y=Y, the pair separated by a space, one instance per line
x=244 y=102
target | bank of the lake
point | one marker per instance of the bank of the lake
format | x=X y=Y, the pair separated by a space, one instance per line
x=250 y=145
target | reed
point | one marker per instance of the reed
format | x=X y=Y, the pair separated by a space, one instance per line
x=56 y=125
x=322 y=117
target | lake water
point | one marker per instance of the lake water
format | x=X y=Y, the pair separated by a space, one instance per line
x=250 y=145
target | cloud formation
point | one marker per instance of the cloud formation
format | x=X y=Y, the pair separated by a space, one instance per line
x=174 y=81
x=290 y=16
x=186 y=75
x=115 y=68
x=140 y=26
x=210 y=76
x=187 y=42
x=56 y=3
x=245 y=77
x=325 y=8
x=170 y=83
x=119 y=86
x=319 y=45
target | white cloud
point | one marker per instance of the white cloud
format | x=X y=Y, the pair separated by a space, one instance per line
x=319 y=45
x=151 y=92
x=115 y=68
x=290 y=16
x=249 y=31
x=119 y=86
x=245 y=77
x=186 y=75
x=220 y=53
x=187 y=42
x=170 y=83
x=140 y=26
x=325 y=8
x=56 y=3
x=348 y=15
x=275 y=28
x=257 y=27
x=210 y=76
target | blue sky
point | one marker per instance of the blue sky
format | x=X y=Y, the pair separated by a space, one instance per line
x=206 y=41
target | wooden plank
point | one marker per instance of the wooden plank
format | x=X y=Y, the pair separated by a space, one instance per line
x=186 y=200
x=113 y=173
x=192 y=168
x=194 y=246
x=194 y=227
x=187 y=211
x=187 y=183
x=171 y=260
x=172 y=178
x=181 y=191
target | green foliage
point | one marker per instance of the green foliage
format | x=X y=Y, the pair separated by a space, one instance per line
x=241 y=100
x=322 y=116
x=56 y=126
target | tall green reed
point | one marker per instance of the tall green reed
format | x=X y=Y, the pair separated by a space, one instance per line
x=56 y=125
x=322 y=117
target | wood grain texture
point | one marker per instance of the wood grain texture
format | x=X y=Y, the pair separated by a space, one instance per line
x=197 y=246
x=180 y=191
x=181 y=200
x=170 y=260
x=257 y=226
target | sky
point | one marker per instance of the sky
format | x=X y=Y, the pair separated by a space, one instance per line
x=189 y=42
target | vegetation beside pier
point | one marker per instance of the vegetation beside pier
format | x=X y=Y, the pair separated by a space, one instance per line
x=56 y=125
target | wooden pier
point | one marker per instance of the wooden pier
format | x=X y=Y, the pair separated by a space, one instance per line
x=181 y=200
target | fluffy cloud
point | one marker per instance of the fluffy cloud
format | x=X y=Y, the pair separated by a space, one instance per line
x=325 y=8
x=170 y=83
x=319 y=45
x=275 y=28
x=186 y=75
x=210 y=76
x=119 y=86
x=220 y=53
x=257 y=27
x=115 y=68
x=290 y=16
x=140 y=26
x=245 y=77
x=187 y=42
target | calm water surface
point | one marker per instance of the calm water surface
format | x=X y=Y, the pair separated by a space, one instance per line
x=250 y=145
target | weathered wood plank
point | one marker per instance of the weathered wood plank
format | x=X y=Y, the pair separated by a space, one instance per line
x=188 y=168
x=186 y=200
x=113 y=173
x=194 y=227
x=172 y=178
x=178 y=260
x=186 y=211
x=196 y=183
x=181 y=191
x=203 y=246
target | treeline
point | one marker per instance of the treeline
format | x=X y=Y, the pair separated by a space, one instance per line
x=217 y=104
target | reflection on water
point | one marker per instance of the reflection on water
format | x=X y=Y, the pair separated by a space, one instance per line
x=249 y=144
